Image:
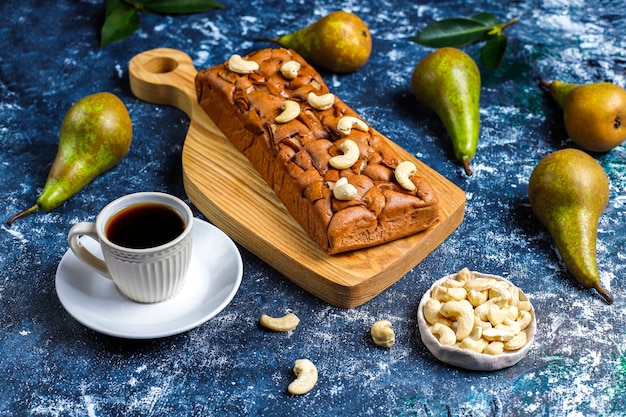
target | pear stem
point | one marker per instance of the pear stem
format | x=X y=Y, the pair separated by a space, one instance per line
x=510 y=22
x=466 y=166
x=273 y=40
x=22 y=214
x=604 y=293
x=544 y=83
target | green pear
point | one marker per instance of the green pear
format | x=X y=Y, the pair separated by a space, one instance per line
x=339 y=41
x=95 y=135
x=568 y=191
x=594 y=114
x=447 y=81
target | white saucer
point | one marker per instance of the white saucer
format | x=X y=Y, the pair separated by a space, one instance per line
x=213 y=279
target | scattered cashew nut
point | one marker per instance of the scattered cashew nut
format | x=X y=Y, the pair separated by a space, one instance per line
x=383 y=334
x=346 y=123
x=343 y=190
x=403 y=173
x=241 y=66
x=291 y=110
x=323 y=102
x=351 y=154
x=290 y=69
x=306 y=377
x=280 y=324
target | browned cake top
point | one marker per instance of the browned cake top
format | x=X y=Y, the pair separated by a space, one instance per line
x=307 y=142
x=318 y=140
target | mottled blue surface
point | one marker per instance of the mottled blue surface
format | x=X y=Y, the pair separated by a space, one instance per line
x=50 y=365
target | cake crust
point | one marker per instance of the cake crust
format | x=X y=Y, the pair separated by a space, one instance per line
x=294 y=156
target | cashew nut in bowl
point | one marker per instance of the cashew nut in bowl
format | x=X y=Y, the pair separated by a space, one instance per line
x=241 y=66
x=482 y=324
x=463 y=312
x=445 y=333
x=438 y=292
x=498 y=335
x=524 y=319
x=343 y=190
x=306 y=377
x=477 y=297
x=432 y=314
x=291 y=110
x=290 y=69
x=474 y=341
x=454 y=293
x=511 y=312
x=351 y=154
x=383 y=334
x=504 y=325
x=464 y=275
x=285 y=323
x=516 y=342
x=480 y=284
x=495 y=315
x=346 y=123
x=494 y=348
x=403 y=173
x=453 y=283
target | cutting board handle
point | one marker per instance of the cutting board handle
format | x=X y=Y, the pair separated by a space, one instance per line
x=164 y=76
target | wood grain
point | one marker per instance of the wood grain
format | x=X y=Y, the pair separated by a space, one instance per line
x=223 y=185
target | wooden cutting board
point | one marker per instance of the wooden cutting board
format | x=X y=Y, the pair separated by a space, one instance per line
x=222 y=184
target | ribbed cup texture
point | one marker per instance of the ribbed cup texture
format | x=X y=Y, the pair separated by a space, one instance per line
x=150 y=277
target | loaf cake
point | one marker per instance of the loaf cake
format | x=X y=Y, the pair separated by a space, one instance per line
x=337 y=176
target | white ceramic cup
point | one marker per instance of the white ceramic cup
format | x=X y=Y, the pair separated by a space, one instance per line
x=146 y=275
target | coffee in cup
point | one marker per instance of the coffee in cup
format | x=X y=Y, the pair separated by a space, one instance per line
x=146 y=241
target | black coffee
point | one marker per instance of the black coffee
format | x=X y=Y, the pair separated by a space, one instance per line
x=144 y=225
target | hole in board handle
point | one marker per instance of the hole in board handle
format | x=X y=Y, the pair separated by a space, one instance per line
x=161 y=65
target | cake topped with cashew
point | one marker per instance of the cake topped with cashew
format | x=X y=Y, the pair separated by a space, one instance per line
x=336 y=175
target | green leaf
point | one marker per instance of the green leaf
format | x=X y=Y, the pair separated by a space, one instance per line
x=180 y=6
x=119 y=24
x=455 y=32
x=492 y=52
x=486 y=19
x=113 y=6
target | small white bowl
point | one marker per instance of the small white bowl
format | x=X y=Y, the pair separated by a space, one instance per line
x=455 y=356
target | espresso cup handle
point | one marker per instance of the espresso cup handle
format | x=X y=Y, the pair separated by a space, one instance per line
x=81 y=252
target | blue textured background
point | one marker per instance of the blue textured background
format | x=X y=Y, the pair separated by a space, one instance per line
x=50 y=365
